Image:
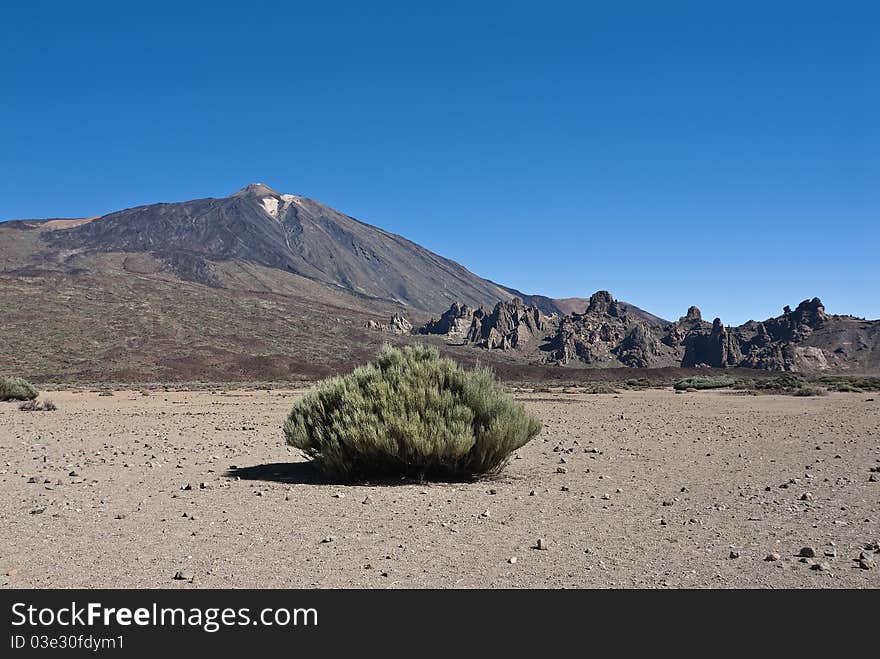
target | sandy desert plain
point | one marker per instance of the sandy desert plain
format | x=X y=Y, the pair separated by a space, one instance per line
x=636 y=489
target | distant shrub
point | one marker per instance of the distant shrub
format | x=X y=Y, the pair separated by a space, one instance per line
x=705 y=382
x=600 y=388
x=847 y=387
x=638 y=383
x=409 y=413
x=17 y=389
x=852 y=383
x=35 y=406
x=787 y=382
x=810 y=391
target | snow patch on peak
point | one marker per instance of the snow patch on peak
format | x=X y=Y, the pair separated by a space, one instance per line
x=270 y=205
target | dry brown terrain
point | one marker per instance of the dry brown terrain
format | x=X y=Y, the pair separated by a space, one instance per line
x=92 y=497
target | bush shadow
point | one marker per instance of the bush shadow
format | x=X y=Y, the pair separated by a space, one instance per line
x=291 y=473
x=304 y=473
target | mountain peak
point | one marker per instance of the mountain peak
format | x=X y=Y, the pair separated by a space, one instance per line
x=256 y=189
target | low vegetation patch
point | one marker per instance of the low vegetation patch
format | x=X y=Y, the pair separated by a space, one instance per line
x=810 y=391
x=851 y=383
x=599 y=388
x=704 y=382
x=16 y=389
x=34 y=405
x=409 y=413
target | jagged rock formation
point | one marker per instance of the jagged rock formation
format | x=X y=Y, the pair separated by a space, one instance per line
x=606 y=332
x=509 y=325
x=455 y=321
x=609 y=334
x=398 y=324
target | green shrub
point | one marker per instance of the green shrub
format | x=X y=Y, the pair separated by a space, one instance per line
x=17 y=389
x=34 y=405
x=600 y=388
x=409 y=413
x=810 y=391
x=852 y=383
x=787 y=382
x=847 y=388
x=705 y=382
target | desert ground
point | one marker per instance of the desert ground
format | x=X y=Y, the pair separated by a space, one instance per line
x=637 y=489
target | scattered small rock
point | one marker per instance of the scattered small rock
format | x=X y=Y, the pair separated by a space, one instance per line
x=772 y=557
x=807 y=552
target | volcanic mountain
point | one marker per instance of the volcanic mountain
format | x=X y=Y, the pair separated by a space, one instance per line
x=285 y=232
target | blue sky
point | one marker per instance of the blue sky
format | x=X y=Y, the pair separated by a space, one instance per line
x=723 y=154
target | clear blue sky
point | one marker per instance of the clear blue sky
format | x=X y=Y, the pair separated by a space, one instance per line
x=724 y=154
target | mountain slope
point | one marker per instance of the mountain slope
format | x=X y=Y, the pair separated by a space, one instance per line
x=285 y=232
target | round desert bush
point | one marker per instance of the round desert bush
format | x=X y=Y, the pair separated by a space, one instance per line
x=17 y=389
x=409 y=413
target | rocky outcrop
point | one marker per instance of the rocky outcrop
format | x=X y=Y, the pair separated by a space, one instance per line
x=398 y=324
x=608 y=334
x=640 y=348
x=509 y=325
x=716 y=347
x=455 y=321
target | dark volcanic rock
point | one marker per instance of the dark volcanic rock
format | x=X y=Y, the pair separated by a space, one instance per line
x=716 y=347
x=510 y=324
x=607 y=334
x=455 y=321
x=640 y=347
